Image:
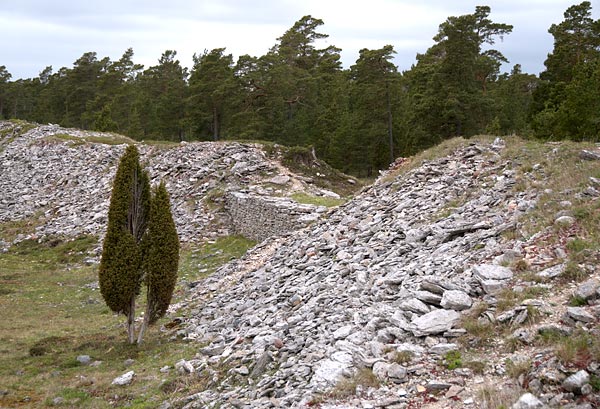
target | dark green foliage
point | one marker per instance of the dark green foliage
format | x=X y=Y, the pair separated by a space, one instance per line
x=141 y=245
x=449 y=85
x=297 y=94
x=453 y=360
x=161 y=255
x=120 y=266
x=566 y=104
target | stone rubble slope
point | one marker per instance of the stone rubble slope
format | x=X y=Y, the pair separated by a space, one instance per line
x=54 y=175
x=388 y=273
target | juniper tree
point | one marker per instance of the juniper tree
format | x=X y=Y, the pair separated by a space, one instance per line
x=141 y=246
x=121 y=263
x=161 y=258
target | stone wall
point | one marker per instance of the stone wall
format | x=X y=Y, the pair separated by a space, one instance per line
x=259 y=217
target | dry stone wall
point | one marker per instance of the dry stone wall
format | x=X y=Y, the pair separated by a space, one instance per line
x=259 y=217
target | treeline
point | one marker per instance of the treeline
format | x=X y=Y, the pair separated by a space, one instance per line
x=358 y=119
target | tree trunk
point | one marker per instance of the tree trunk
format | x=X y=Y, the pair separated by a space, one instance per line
x=131 y=321
x=215 y=124
x=144 y=325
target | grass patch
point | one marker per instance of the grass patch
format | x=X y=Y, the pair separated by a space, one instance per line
x=347 y=387
x=199 y=262
x=402 y=357
x=452 y=360
x=573 y=272
x=106 y=139
x=493 y=397
x=573 y=350
x=516 y=369
x=477 y=366
x=11 y=230
x=317 y=200
x=50 y=316
x=577 y=301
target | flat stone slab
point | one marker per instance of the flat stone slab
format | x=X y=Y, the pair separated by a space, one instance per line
x=456 y=300
x=435 y=322
x=580 y=314
x=492 y=272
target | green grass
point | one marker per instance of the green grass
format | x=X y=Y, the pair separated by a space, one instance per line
x=50 y=316
x=106 y=139
x=199 y=262
x=317 y=200
x=10 y=230
x=453 y=360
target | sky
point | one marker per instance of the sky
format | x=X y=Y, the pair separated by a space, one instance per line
x=39 y=33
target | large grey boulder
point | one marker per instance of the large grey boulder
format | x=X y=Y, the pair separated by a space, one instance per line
x=575 y=382
x=580 y=314
x=456 y=300
x=528 y=401
x=587 y=289
x=124 y=379
x=492 y=278
x=435 y=322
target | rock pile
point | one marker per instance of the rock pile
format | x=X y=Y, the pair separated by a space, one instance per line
x=56 y=177
x=382 y=283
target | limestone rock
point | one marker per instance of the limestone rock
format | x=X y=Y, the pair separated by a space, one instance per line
x=84 y=359
x=588 y=289
x=124 y=379
x=435 y=322
x=528 y=401
x=552 y=272
x=589 y=155
x=580 y=314
x=492 y=272
x=575 y=382
x=456 y=300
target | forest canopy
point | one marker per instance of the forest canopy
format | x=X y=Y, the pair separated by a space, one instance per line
x=359 y=119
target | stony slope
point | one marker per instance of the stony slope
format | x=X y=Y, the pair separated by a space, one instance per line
x=362 y=308
x=57 y=181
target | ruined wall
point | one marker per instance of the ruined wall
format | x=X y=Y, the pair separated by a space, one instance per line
x=259 y=217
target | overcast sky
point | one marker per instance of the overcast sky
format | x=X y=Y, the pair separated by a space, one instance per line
x=38 y=33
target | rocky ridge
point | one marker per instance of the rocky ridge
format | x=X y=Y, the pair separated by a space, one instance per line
x=61 y=178
x=385 y=285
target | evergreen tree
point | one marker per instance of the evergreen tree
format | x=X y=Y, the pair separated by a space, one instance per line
x=513 y=94
x=121 y=265
x=212 y=91
x=449 y=84
x=4 y=85
x=161 y=258
x=565 y=102
x=373 y=95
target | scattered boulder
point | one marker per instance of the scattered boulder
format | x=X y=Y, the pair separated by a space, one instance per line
x=124 y=379
x=575 y=382
x=528 y=401
x=456 y=300
x=84 y=359
x=588 y=289
x=435 y=322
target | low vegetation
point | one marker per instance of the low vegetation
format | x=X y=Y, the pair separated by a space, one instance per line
x=53 y=313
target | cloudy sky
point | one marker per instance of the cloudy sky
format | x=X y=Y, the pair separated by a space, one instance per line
x=38 y=33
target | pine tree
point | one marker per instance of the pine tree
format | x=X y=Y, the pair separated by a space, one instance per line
x=120 y=270
x=161 y=258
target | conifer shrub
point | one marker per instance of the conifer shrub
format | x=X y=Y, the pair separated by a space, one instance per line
x=132 y=253
x=161 y=257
